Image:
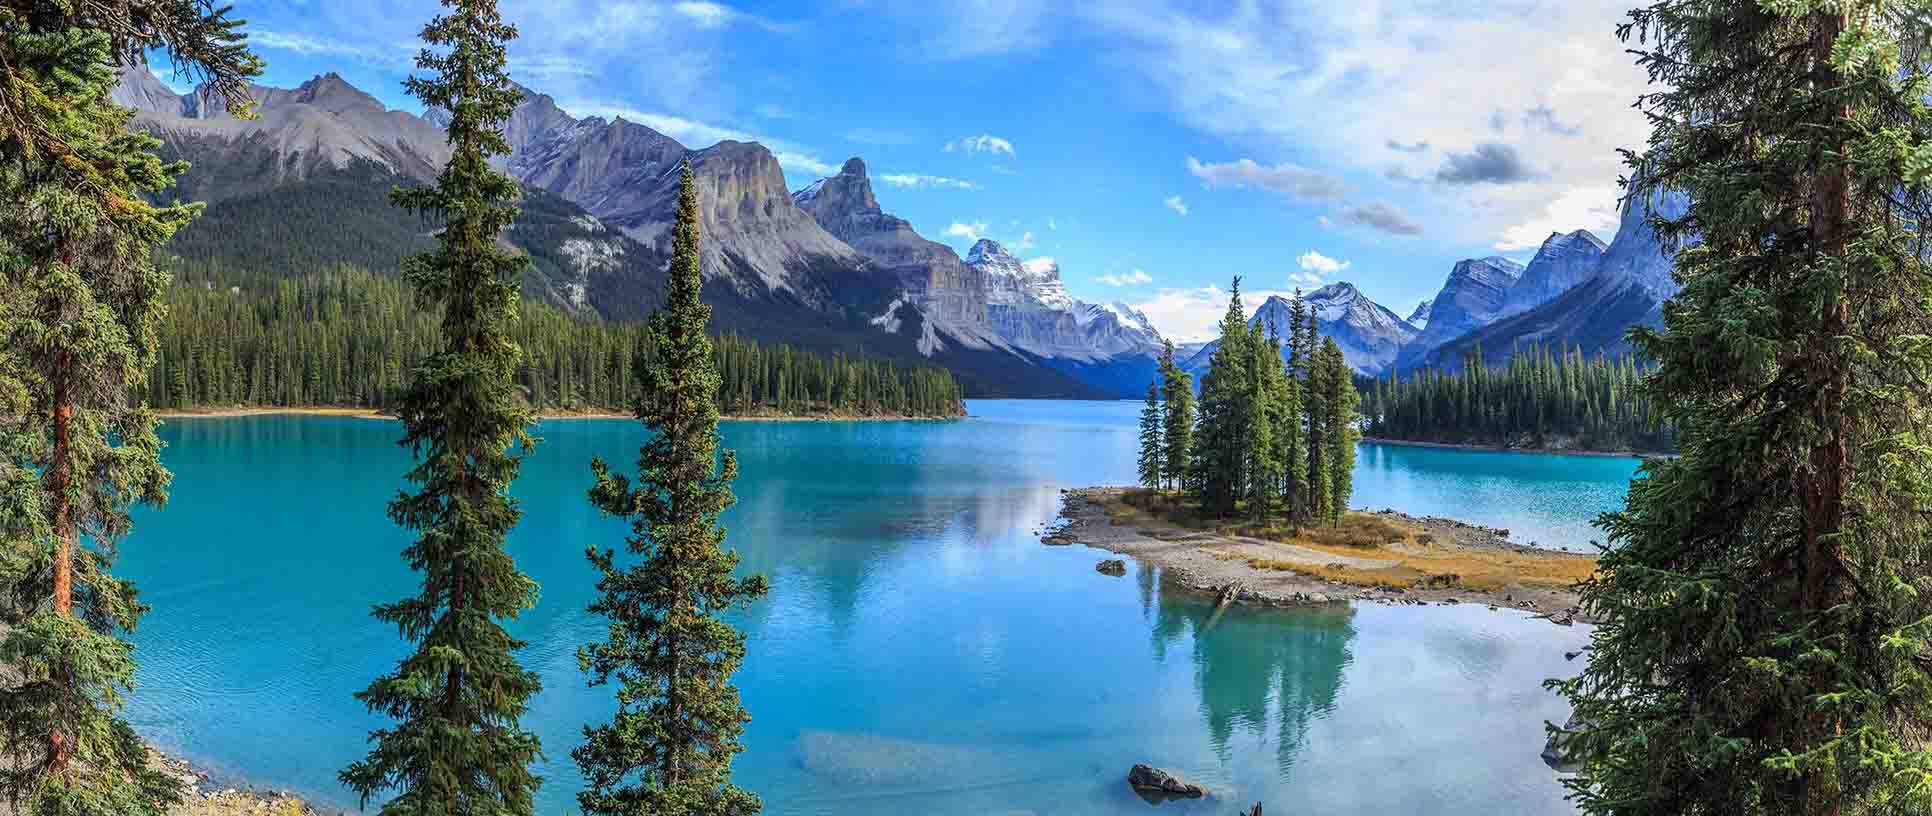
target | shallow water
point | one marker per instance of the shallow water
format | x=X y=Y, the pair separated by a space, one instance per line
x=920 y=652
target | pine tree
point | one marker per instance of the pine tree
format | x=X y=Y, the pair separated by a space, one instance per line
x=1220 y=446
x=1340 y=427
x=79 y=302
x=1314 y=487
x=1289 y=438
x=1765 y=645
x=669 y=748
x=1152 y=447
x=456 y=747
x=1177 y=433
x=1263 y=469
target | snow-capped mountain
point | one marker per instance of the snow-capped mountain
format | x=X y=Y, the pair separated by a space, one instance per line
x=1627 y=287
x=1369 y=334
x=1472 y=298
x=1560 y=264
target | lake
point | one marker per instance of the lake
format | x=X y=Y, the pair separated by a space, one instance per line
x=920 y=651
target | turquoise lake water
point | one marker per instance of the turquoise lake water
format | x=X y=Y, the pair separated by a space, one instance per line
x=920 y=651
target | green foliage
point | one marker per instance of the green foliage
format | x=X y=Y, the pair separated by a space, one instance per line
x=1152 y=450
x=668 y=749
x=1177 y=429
x=1766 y=596
x=79 y=300
x=345 y=337
x=456 y=747
x=1272 y=435
x=1542 y=399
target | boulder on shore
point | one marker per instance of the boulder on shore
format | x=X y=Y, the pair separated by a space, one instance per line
x=1112 y=566
x=1157 y=780
x=1556 y=749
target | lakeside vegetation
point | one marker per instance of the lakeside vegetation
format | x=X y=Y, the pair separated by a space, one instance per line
x=347 y=337
x=1274 y=437
x=1543 y=399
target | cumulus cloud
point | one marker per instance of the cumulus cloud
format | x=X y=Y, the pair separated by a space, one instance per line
x=1313 y=261
x=1040 y=265
x=971 y=232
x=1194 y=315
x=1592 y=208
x=1296 y=182
x=1133 y=278
x=923 y=180
x=983 y=143
x=1332 y=81
x=1175 y=203
x=1489 y=163
x=1408 y=147
x=1380 y=215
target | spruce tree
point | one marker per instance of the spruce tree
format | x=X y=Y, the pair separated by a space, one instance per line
x=1341 y=427
x=1288 y=435
x=1177 y=432
x=1765 y=645
x=668 y=749
x=1220 y=446
x=79 y=303
x=456 y=747
x=1152 y=447
x=1263 y=484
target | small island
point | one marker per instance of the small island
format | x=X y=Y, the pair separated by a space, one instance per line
x=1385 y=556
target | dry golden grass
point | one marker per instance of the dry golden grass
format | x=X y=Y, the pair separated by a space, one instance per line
x=241 y=804
x=1421 y=558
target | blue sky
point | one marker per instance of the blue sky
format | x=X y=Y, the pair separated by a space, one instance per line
x=1154 y=149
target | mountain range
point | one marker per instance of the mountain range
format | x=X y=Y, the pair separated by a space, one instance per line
x=303 y=187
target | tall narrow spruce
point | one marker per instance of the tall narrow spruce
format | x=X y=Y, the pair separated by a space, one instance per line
x=456 y=747
x=668 y=749
x=1766 y=598
x=79 y=303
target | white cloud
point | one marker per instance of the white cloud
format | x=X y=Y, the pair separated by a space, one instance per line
x=1025 y=243
x=922 y=180
x=1296 y=182
x=1194 y=315
x=1337 y=83
x=708 y=15
x=1592 y=207
x=1044 y=263
x=1175 y=203
x=983 y=143
x=398 y=56
x=971 y=232
x=1134 y=278
x=1317 y=264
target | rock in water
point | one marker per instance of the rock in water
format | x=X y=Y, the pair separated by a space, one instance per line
x=1149 y=778
x=1112 y=566
x=1556 y=749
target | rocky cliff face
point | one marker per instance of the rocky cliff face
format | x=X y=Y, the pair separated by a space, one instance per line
x=627 y=175
x=1028 y=306
x=951 y=293
x=1369 y=334
x=1560 y=264
x=325 y=123
x=1472 y=298
x=1420 y=317
x=1627 y=287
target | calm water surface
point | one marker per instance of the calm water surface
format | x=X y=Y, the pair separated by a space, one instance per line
x=920 y=651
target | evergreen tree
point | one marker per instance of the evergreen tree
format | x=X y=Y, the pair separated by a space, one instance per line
x=1764 y=646
x=1315 y=490
x=457 y=748
x=1341 y=427
x=79 y=301
x=1263 y=469
x=1221 y=433
x=669 y=748
x=1152 y=447
x=1177 y=433
x=1289 y=438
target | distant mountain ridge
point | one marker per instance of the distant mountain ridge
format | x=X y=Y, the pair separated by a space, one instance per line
x=1369 y=335
x=303 y=186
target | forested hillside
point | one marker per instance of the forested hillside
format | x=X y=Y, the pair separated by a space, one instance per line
x=348 y=337
x=1541 y=399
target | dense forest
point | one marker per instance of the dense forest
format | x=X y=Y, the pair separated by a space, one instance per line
x=1542 y=399
x=347 y=337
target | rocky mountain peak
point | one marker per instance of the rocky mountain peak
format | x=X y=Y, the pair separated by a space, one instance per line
x=845 y=196
x=332 y=93
x=991 y=256
x=1420 y=317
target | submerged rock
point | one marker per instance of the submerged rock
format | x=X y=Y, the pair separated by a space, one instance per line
x=1556 y=749
x=1148 y=778
x=1112 y=566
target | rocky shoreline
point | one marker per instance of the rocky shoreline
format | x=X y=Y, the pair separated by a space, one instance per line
x=1219 y=565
